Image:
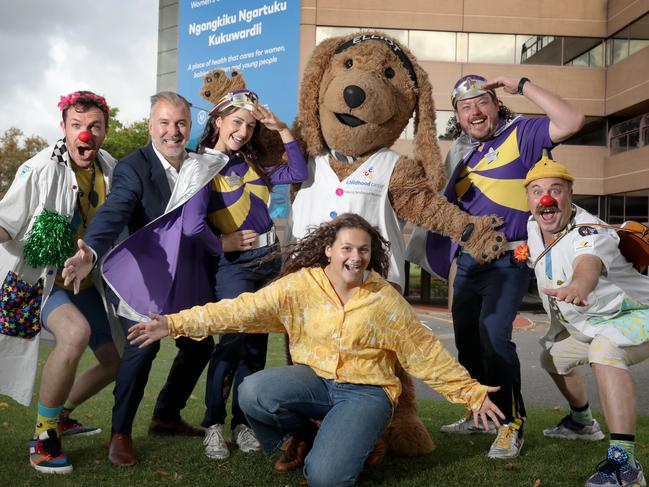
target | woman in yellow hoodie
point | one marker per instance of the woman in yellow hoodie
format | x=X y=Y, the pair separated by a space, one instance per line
x=347 y=326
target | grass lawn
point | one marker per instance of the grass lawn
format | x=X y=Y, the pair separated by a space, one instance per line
x=457 y=461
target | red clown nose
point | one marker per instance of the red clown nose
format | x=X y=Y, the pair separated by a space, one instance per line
x=84 y=137
x=547 y=200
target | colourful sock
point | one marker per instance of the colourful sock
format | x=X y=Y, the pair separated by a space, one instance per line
x=582 y=415
x=627 y=443
x=46 y=418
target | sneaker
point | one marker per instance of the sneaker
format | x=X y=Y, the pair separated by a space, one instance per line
x=569 y=429
x=507 y=444
x=465 y=426
x=215 y=446
x=245 y=438
x=45 y=453
x=71 y=427
x=615 y=471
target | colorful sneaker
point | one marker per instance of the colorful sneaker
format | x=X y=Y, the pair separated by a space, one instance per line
x=71 y=427
x=465 y=426
x=215 y=446
x=615 y=471
x=507 y=444
x=569 y=429
x=45 y=453
x=245 y=438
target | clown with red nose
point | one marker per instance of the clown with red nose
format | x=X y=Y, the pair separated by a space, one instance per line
x=549 y=196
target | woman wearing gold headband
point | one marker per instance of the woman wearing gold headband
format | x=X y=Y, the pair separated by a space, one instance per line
x=234 y=221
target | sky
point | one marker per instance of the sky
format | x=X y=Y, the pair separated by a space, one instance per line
x=52 y=48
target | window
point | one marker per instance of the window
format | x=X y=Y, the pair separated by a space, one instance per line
x=492 y=48
x=629 y=134
x=433 y=46
x=593 y=133
x=325 y=32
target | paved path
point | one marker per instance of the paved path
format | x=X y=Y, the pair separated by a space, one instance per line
x=538 y=388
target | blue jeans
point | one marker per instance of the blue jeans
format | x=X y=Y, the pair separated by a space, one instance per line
x=485 y=301
x=279 y=401
x=236 y=355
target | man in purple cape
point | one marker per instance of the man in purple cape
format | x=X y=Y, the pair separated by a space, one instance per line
x=488 y=164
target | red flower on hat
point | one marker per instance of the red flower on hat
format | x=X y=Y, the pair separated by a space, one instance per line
x=522 y=253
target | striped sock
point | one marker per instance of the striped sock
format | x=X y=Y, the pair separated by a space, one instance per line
x=46 y=418
x=627 y=443
x=582 y=415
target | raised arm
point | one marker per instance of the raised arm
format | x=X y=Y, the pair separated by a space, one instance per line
x=565 y=119
x=296 y=170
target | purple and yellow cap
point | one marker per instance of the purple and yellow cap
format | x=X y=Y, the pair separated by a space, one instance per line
x=469 y=86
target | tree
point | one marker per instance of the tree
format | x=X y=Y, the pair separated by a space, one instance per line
x=14 y=150
x=124 y=139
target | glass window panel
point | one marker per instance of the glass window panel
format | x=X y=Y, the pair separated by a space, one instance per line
x=462 y=55
x=580 y=61
x=615 y=206
x=432 y=45
x=593 y=133
x=325 y=32
x=492 y=48
x=441 y=120
x=618 y=144
x=543 y=50
x=588 y=203
x=409 y=131
x=620 y=50
x=518 y=50
x=597 y=56
x=636 y=207
x=635 y=45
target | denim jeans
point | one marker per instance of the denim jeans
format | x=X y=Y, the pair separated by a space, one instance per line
x=236 y=355
x=485 y=301
x=280 y=401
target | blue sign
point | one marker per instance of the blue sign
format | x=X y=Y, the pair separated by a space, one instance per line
x=260 y=39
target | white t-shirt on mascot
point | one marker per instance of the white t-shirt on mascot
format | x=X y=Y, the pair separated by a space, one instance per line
x=364 y=192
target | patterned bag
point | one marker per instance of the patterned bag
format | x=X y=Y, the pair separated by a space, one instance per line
x=20 y=307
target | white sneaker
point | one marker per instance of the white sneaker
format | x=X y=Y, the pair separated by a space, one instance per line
x=568 y=429
x=215 y=446
x=507 y=444
x=465 y=426
x=245 y=438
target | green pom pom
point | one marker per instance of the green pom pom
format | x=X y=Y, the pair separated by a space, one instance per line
x=50 y=240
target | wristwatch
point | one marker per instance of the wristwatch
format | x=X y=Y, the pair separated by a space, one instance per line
x=521 y=83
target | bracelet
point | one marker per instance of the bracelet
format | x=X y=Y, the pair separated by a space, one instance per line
x=521 y=83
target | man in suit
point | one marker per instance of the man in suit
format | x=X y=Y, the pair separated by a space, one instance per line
x=142 y=185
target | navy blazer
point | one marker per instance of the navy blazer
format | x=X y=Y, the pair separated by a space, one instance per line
x=139 y=194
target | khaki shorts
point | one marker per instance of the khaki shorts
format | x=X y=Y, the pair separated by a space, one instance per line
x=569 y=353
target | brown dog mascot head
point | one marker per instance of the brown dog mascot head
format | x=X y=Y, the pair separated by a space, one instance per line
x=342 y=74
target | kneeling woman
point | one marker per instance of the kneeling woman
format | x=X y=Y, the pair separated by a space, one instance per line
x=347 y=326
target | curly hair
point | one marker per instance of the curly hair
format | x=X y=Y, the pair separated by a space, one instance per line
x=310 y=250
x=82 y=102
x=250 y=152
x=454 y=130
